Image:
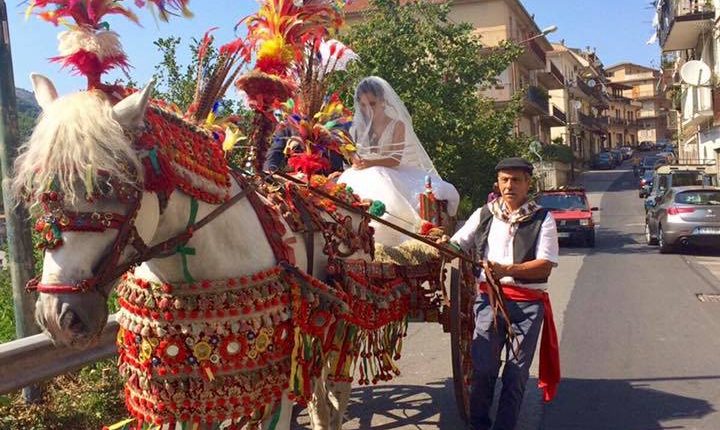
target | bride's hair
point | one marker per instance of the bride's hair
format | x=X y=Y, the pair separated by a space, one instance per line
x=369 y=86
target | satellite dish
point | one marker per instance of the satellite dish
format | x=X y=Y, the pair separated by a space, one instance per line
x=591 y=83
x=695 y=73
x=577 y=104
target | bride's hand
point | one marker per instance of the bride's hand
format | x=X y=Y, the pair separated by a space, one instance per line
x=360 y=164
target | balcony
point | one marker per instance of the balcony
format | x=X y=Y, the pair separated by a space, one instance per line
x=551 y=77
x=537 y=101
x=682 y=22
x=533 y=57
x=649 y=113
x=555 y=117
x=697 y=106
x=586 y=120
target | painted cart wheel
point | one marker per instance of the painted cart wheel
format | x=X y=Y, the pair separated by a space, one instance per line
x=462 y=326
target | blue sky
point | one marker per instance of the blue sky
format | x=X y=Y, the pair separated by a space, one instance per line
x=617 y=28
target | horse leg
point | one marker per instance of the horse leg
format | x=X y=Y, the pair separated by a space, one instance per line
x=319 y=406
x=330 y=400
x=281 y=416
x=275 y=418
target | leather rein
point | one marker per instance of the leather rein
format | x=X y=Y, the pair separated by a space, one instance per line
x=109 y=268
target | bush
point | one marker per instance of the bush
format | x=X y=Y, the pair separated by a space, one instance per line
x=557 y=152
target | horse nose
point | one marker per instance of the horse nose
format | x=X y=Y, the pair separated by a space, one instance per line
x=71 y=322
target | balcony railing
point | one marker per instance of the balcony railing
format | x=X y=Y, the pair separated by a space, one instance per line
x=558 y=114
x=584 y=87
x=557 y=73
x=679 y=23
x=539 y=98
x=586 y=120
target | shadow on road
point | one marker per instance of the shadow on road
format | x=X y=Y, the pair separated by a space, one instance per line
x=599 y=404
x=385 y=407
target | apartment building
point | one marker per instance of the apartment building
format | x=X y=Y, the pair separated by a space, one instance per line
x=584 y=98
x=644 y=87
x=533 y=73
x=686 y=31
x=622 y=116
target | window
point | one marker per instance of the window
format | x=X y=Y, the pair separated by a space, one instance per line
x=698 y=198
x=561 y=202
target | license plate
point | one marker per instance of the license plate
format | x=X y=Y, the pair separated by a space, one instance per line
x=707 y=230
x=563 y=235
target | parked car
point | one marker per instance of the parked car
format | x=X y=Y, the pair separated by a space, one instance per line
x=627 y=152
x=618 y=155
x=650 y=162
x=603 y=161
x=645 y=145
x=684 y=216
x=646 y=183
x=667 y=177
x=572 y=213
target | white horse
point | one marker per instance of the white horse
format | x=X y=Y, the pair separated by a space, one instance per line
x=82 y=138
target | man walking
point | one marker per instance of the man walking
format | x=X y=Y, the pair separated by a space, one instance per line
x=518 y=241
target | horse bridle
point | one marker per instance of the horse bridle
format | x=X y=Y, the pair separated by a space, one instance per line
x=56 y=220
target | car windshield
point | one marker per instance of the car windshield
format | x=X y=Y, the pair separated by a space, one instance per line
x=700 y=198
x=648 y=176
x=564 y=202
x=604 y=156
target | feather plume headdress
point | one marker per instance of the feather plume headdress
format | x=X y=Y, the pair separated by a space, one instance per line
x=88 y=47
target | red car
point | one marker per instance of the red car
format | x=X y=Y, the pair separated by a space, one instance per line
x=572 y=212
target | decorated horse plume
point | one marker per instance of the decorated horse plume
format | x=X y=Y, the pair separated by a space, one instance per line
x=293 y=59
x=89 y=47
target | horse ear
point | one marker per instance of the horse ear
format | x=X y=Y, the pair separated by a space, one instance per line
x=44 y=89
x=130 y=111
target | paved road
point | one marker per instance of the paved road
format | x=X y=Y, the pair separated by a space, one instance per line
x=639 y=351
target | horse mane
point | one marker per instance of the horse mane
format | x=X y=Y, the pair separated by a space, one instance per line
x=75 y=138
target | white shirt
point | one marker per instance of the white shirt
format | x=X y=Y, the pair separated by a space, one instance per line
x=500 y=244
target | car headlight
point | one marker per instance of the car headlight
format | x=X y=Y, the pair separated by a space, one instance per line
x=584 y=222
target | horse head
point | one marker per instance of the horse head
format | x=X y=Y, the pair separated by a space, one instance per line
x=83 y=180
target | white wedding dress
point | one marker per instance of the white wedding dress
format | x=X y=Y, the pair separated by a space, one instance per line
x=399 y=188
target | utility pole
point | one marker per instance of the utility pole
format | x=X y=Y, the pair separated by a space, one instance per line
x=16 y=217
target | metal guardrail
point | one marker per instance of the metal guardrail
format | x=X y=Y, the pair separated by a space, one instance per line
x=34 y=359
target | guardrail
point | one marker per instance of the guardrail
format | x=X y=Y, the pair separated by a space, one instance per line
x=34 y=359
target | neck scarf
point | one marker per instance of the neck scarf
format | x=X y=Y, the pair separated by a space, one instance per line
x=500 y=210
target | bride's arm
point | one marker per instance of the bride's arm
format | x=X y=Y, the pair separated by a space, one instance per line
x=392 y=155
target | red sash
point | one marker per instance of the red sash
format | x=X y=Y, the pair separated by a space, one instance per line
x=549 y=377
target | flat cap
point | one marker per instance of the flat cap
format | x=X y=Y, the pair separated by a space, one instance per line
x=514 y=163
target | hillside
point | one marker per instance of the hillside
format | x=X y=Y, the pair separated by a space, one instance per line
x=26 y=103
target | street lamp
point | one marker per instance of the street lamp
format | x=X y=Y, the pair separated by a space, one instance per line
x=543 y=33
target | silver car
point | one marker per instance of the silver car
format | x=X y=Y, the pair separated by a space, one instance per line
x=684 y=216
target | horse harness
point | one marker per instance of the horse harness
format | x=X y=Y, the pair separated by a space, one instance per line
x=56 y=220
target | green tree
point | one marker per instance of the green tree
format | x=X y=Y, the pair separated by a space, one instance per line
x=437 y=67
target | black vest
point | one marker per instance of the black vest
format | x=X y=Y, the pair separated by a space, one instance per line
x=524 y=242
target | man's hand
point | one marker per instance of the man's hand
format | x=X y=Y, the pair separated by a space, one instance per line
x=444 y=240
x=499 y=270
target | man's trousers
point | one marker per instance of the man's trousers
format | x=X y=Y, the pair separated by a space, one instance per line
x=487 y=345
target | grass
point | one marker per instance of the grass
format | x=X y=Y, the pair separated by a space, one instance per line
x=84 y=400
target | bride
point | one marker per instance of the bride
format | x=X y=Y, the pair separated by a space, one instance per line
x=391 y=164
